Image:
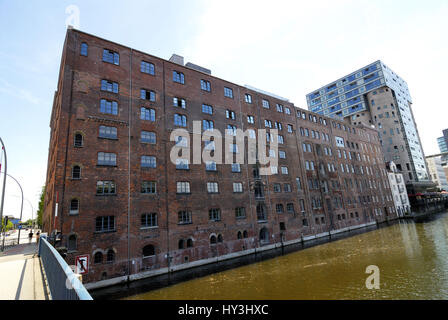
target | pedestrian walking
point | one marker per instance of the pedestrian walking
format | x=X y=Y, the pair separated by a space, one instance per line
x=30 y=236
x=37 y=237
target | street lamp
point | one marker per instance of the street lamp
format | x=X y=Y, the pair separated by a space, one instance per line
x=21 y=210
x=3 y=190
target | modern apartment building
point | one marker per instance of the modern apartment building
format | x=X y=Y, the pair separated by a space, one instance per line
x=442 y=144
x=375 y=95
x=398 y=187
x=437 y=171
x=113 y=193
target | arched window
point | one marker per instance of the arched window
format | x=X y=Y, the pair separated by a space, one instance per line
x=245 y=235
x=76 y=172
x=148 y=251
x=98 y=258
x=110 y=257
x=189 y=243
x=264 y=235
x=71 y=245
x=79 y=140
x=213 y=239
x=74 y=206
x=181 y=244
x=239 y=235
x=84 y=49
x=219 y=238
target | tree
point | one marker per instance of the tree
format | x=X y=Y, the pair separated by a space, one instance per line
x=9 y=226
x=41 y=207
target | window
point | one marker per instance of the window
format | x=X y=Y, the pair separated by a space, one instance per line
x=278 y=125
x=279 y=108
x=111 y=57
x=74 y=206
x=280 y=139
x=178 y=77
x=107 y=159
x=240 y=213
x=209 y=145
x=214 y=214
x=228 y=92
x=205 y=85
x=147 y=95
x=290 y=207
x=299 y=184
x=236 y=167
x=265 y=104
x=98 y=258
x=148 y=162
x=108 y=132
x=279 y=208
x=230 y=114
x=105 y=187
x=237 y=187
x=261 y=212
x=282 y=154
x=181 y=244
x=104 y=224
x=71 y=245
x=207 y=124
x=78 y=140
x=147 y=67
x=252 y=134
x=109 y=86
x=76 y=172
x=148 y=251
x=109 y=107
x=287 y=110
x=184 y=217
x=84 y=49
x=284 y=170
x=213 y=239
x=180 y=120
x=149 y=220
x=182 y=164
x=233 y=148
x=248 y=98
x=149 y=187
x=231 y=130
x=287 y=187
x=148 y=137
x=268 y=123
x=290 y=127
x=179 y=102
x=212 y=187
x=250 y=119
x=183 y=187
x=210 y=165
x=110 y=256
x=207 y=109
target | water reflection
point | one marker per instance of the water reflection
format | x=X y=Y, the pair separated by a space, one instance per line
x=412 y=258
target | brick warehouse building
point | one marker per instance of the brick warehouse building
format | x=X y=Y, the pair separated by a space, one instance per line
x=114 y=195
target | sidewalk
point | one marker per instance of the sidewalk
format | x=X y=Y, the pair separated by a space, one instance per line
x=21 y=276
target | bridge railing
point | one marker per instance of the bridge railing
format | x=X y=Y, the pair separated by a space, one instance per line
x=62 y=282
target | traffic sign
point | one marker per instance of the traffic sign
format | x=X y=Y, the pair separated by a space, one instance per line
x=82 y=264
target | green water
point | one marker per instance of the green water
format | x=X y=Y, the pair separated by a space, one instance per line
x=412 y=259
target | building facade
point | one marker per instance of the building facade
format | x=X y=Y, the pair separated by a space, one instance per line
x=442 y=145
x=113 y=193
x=437 y=172
x=375 y=95
x=398 y=187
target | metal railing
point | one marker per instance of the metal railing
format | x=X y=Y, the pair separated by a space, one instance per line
x=62 y=282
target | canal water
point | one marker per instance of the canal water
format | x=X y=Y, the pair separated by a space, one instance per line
x=412 y=259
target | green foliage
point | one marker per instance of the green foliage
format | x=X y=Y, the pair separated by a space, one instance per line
x=41 y=207
x=10 y=226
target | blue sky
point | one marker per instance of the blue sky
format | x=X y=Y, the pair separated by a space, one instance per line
x=285 y=47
